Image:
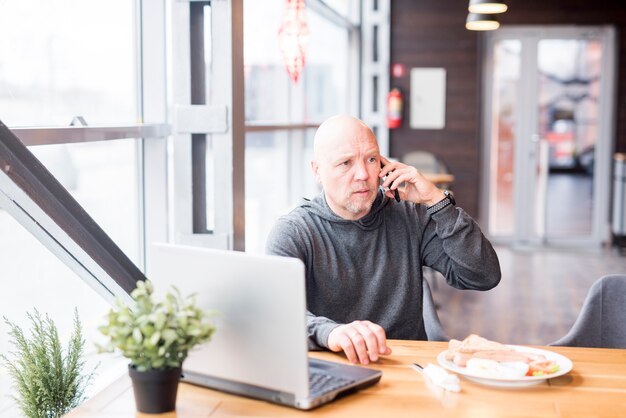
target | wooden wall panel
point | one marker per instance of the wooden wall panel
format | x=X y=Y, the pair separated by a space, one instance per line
x=431 y=33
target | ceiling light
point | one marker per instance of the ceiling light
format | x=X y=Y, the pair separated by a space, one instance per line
x=478 y=21
x=487 y=6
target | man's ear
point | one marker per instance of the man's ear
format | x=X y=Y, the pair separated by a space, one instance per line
x=316 y=170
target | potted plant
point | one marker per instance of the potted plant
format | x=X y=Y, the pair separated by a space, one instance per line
x=48 y=380
x=156 y=337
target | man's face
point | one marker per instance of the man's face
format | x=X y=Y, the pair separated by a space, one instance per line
x=348 y=170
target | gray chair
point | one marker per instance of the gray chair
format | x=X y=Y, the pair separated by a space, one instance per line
x=424 y=161
x=601 y=322
x=427 y=163
x=432 y=324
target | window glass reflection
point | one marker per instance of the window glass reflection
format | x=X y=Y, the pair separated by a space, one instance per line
x=64 y=58
x=273 y=192
x=345 y=8
x=208 y=50
x=507 y=56
x=102 y=177
x=569 y=88
x=569 y=96
x=270 y=94
x=266 y=195
x=325 y=76
x=271 y=97
x=266 y=81
x=209 y=190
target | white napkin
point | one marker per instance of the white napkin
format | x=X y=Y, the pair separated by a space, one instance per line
x=440 y=377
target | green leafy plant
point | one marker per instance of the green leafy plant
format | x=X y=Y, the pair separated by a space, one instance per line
x=156 y=335
x=49 y=383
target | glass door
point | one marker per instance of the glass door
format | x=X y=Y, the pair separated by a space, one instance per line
x=548 y=122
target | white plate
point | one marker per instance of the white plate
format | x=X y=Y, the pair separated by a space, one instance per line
x=565 y=365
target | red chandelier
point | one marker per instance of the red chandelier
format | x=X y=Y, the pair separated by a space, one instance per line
x=293 y=37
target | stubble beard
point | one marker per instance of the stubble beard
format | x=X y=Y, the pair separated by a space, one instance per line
x=357 y=206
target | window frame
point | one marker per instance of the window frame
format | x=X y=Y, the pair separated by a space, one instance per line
x=33 y=196
x=220 y=118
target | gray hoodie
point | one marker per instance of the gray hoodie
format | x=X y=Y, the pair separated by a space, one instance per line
x=371 y=269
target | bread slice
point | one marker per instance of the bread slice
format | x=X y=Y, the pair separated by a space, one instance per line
x=474 y=343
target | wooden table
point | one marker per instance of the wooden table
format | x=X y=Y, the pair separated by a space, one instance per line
x=439 y=178
x=596 y=387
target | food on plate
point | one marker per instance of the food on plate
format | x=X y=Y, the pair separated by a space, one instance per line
x=474 y=343
x=542 y=367
x=461 y=351
x=491 y=368
x=486 y=358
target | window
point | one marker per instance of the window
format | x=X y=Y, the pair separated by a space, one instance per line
x=103 y=178
x=127 y=184
x=281 y=116
x=33 y=277
x=59 y=61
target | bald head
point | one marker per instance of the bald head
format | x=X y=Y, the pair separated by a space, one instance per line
x=336 y=132
x=346 y=162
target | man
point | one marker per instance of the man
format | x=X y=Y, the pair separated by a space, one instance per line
x=364 y=251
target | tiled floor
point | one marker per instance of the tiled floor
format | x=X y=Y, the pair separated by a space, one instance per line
x=536 y=302
x=570 y=205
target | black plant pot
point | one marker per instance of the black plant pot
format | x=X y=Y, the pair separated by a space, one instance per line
x=155 y=390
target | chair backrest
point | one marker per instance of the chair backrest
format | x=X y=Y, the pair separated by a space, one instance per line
x=432 y=324
x=425 y=162
x=601 y=322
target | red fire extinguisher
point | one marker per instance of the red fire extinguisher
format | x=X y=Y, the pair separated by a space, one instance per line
x=394 y=109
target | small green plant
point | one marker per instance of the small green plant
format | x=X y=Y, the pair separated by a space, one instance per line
x=49 y=383
x=156 y=335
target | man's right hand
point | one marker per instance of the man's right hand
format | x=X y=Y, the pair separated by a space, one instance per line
x=362 y=341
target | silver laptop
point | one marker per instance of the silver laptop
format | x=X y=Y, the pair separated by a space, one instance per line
x=259 y=349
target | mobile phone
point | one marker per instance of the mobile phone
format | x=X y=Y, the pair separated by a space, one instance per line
x=396 y=194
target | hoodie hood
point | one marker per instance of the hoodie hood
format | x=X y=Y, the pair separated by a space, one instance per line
x=319 y=207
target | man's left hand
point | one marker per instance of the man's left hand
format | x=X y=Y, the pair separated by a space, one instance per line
x=417 y=189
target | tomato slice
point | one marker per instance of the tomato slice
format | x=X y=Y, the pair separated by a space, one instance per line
x=541 y=367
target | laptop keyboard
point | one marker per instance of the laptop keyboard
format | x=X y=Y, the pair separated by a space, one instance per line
x=321 y=383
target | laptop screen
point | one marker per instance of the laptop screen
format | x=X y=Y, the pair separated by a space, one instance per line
x=260 y=305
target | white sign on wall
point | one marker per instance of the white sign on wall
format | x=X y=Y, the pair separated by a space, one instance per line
x=428 y=98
